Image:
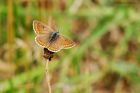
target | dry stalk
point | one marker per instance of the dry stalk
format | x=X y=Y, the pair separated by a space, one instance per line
x=48 y=56
x=47 y=76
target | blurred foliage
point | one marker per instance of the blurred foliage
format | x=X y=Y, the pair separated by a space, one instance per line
x=105 y=59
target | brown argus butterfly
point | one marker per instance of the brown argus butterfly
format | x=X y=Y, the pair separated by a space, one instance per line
x=49 y=37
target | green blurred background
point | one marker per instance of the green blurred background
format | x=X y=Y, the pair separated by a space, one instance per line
x=105 y=59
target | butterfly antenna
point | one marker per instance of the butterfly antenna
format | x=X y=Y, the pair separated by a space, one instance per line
x=59 y=29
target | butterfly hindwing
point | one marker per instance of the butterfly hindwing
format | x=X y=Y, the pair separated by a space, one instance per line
x=42 y=39
x=54 y=46
x=60 y=43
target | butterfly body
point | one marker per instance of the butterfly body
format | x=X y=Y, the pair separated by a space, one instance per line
x=49 y=37
x=53 y=36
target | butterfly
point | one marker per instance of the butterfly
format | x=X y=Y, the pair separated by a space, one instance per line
x=48 y=36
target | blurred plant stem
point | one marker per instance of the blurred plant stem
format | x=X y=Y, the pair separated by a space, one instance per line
x=41 y=9
x=45 y=7
x=10 y=37
x=0 y=30
x=27 y=20
x=75 y=7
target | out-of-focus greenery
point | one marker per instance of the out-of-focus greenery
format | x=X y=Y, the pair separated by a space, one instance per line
x=105 y=59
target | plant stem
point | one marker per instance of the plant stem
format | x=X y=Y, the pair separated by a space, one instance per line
x=47 y=76
x=10 y=30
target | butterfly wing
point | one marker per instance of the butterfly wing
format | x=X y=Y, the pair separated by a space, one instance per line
x=42 y=39
x=54 y=46
x=52 y=24
x=65 y=42
x=60 y=43
x=41 y=28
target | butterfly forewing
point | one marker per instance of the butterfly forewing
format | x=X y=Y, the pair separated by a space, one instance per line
x=52 y=24
x=41 y=28
x=65 y=42
x=42 y=39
